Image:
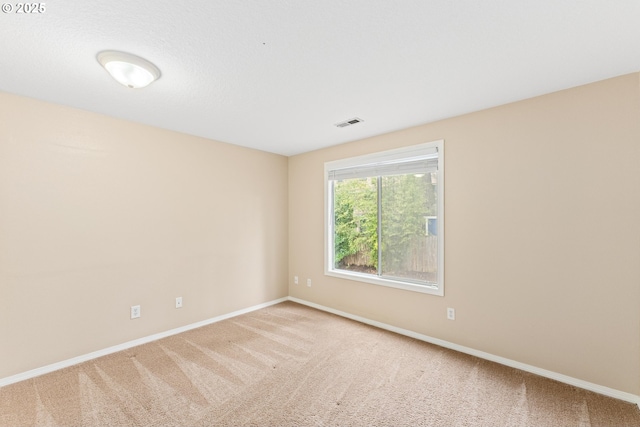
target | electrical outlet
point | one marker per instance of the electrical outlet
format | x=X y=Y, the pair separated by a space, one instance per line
x=309 y=282
x=179 y=302
x=451 y=313
x=295 y=280
x=135 y=311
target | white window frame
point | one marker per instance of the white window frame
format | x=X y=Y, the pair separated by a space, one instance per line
x=385 y=157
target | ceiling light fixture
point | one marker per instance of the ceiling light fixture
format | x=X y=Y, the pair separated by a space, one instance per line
x=129 y=70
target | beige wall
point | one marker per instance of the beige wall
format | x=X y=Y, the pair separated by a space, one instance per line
x=542 y=232
x=98 y=214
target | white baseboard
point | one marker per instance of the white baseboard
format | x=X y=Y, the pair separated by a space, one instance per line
x=94 y=355
x=617 y=394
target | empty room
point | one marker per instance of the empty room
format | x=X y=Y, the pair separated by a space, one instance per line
x=336 y=213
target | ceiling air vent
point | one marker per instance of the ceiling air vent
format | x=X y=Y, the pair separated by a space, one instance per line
x=349 y=122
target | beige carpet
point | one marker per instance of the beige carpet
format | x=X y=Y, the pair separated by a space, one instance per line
x=290 y=365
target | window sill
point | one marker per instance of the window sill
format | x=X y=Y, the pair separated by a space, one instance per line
x=367 y=278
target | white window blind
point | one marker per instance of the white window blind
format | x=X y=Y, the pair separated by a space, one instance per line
x=415 y=165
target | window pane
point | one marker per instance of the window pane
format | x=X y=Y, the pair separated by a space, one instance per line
x=409 y=241
x=356 y=225
x=384 y=220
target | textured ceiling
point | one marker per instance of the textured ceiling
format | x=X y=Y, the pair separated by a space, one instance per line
x=277 y=75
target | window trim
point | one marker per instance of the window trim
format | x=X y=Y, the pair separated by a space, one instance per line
x=380 y=157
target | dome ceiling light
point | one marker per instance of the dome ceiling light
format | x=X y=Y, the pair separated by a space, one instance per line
x=129 y=70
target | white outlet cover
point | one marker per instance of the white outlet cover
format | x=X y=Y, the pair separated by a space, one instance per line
x=179 y=302
x=135 y=311
x=451 y=314
x=309 y=282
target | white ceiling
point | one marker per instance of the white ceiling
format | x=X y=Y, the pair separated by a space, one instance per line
x=276 y=75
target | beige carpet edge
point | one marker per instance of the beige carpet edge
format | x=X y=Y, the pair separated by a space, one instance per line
x=576 y=382
x=53 y=367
